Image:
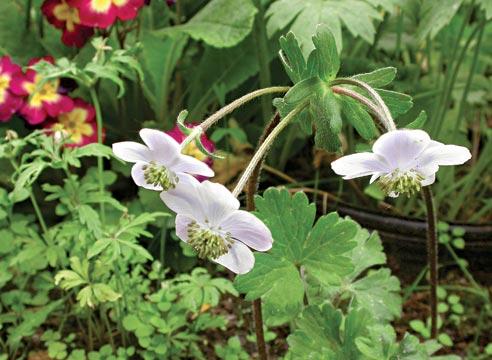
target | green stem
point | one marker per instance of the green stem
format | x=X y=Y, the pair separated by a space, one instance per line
x=462 y=267
x=432 y=255
x=108 y=328
x=162 y=247
x=263 y=58
x=264 y=147
x=100 y=168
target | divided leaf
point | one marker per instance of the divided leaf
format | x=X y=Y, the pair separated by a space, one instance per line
x=320 y=250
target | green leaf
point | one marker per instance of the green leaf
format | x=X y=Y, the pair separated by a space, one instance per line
x=397 y=103
x=292 y=57
x=355 y=115
x=319 y=249
x=159 y=58
x=323 y=60
x=302 y=18
x=98 y=247
x=90 y=218
x=104 y=293
x=419 y=122
x=378 y=78
x=94 y=149
x=486 y=6
x=221 y=23
x=445 y=339
x=326 y=114
x=324 y=333
x=436 y=15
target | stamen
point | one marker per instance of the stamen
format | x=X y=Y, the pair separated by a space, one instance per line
x=159 y=175
x=208 y=243
x=408 y=182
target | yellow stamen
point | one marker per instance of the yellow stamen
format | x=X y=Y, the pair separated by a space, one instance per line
x=75 y=125
x=70 y=15
x=101 y=6
x=120 y=3
x=4 y=85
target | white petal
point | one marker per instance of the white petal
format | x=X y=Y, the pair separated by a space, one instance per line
x=248 y=229
x=239 y=259
x=185 y=199
x=428 y=180
x=401 y=147
x=218 y=200
x=131 y=151
x=182 y=222
x=440 y=154
x=190 y=165
x=138 y=177
x=361 y=164
x=158 y=140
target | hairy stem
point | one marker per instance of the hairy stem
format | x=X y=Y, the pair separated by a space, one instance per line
x=264 y=147
x=100 y=168
x=251 y=188
x=432 y=255
x=386 y=118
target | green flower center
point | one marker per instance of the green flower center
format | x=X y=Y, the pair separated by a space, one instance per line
x=408 y=182
x=207 y=242
x=159 y=175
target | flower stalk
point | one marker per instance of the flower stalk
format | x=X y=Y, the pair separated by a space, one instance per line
x=264 y=147
x=432 y=255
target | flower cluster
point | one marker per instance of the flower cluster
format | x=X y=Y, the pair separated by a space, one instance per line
x=402 y=161
x=78 y=18
x=208 y=216
x=45 y=103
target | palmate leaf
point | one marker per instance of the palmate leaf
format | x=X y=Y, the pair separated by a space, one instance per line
x=302 y=17
x=325 y=333
x=436 y=15
x=221 y=23
x=317 y=249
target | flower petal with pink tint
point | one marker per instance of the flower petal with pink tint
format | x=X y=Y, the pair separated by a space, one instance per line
x=103 y=13
x=10 y=102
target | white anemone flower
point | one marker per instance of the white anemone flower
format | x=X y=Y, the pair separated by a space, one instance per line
x=402 y=161
x=159 y=164
x=209 y=220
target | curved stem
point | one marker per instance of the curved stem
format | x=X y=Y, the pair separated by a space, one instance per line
x=432 y=255
x=100 y=169
x=388 y=119
x=239 y=102
x=263 y=148
x=251 y=188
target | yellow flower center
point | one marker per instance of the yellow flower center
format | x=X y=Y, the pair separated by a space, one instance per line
x=192 y=150
x=102 y=6
x=70 y=15
x=74 y=125
x=4 y=85
x=47 y=92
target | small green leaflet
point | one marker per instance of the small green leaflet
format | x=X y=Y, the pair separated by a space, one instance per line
x=220 y=23
x=320 y=249
x=419 y=122
x=325 y=333
x=436 y=15
x=378 y=78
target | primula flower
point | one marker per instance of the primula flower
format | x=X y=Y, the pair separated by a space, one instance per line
x=402 y=160
x=160 y=165
x=9 y=102
x=191 y=149
x=103 y=13
x=209 y=220
x=62 y=15
x=42 y=101
x=78 y=126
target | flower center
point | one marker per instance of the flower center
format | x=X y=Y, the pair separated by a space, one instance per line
x=70 y=15
x=159 y=175
x=207 y=242
x=74 y=123
x=47 y=92
x=402 y=182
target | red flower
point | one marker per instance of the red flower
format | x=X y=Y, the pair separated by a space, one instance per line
x=103 y=13
x=77 y=126
x=62 y=15
x=191 y=149
x=43 y=101
x=9 y=102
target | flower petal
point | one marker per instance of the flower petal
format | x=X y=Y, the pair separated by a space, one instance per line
x=160 y=142
x=218 y=201
x=440 y=154
x=401 y=147
x=248 y=229
x=182 y=222
x=131 y=151
x=139 y=178
x=428 y=180
x=239 y=259
x=358 y=165
x=190 y=165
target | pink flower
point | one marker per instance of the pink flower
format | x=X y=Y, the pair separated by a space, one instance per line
x=78 y=126
x=43 y=101
x=103 y=13
x=62 y=15
x=191 y=149
x=9 y=101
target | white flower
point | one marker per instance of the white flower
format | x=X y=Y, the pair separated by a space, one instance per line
x=402 y=160
x=209 y=220
x=159 y=165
